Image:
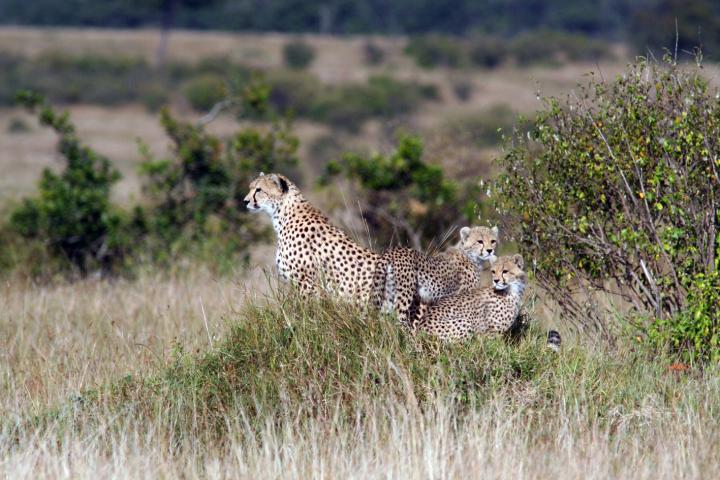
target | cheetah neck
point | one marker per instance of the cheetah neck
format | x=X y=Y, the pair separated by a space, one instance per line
x=480 y=264
x=287 y=209
x=513 y=291
x=516 y=289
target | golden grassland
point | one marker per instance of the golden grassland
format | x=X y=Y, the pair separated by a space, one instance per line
x=186 y=373
x=356 y=400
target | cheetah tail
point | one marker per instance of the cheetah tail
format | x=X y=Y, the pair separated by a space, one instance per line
x=554 y=340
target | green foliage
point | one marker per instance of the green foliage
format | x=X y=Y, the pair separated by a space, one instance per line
x=347 y=105
x=118 y=80
x=115 y=80
x=204 y=91
x=437 y=51
x=298 y=54
x=463 y=89
x=618 y=190
x=488 y=51
x=404 y=197
x=538 y=46
x=695 y=331
x=88 y=79
x=196 y=195
x=482 y=128
x=547 y=46
x=72 y=213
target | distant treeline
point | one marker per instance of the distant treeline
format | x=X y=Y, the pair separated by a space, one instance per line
x=644 y=22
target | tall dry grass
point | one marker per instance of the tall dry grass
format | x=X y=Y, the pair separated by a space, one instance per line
x=185 y=375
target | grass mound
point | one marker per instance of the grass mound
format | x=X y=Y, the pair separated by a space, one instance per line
x=295 y=383
x=316 y=359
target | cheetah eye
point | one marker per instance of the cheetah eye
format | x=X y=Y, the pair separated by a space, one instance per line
x=493 y=272
x=505 y=271
x=493 y=242
x=257 y=190
x=480 y=242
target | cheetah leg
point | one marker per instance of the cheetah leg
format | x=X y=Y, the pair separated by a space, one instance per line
x=406 y=300
x=383 y=289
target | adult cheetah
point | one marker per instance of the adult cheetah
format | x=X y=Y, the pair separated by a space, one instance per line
x=482 y=309
x=311 y=252
x=407 y=277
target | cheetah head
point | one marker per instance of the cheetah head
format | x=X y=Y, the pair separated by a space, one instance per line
x=479 y=243
x=267 y=192
x=507 y=272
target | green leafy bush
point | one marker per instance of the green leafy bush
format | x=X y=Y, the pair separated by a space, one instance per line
x=72 y=213
x=695 y=331
x=196 y=195
x=349 y=106
x=482 y=128
x=463 y=89
x=204 y=91
x=529 y=48
x=547 y=46
x=488 y=52
x=298 y=54
x=404 y=197
x=617 y=190
x=431 y=51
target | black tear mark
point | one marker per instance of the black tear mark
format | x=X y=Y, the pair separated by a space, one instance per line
x=283 y=185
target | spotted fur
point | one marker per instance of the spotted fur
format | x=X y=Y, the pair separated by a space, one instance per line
x=406 y=278
x=479 y=310
x=311 y=252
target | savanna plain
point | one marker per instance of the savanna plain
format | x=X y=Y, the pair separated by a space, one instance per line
x=191 y=373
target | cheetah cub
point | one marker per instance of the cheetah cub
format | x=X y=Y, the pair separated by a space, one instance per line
x=407 y=277
x=482 y=309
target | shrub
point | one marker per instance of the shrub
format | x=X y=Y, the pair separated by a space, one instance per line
x=17 y=125
x=618 y=190
x=373 y=54
x=404 y=197
x=463 y=89
x=348 y=106
x=547 y=46
x=433 y=51
x=488 y=52
x=72 y=213
x=298 y=54
x=204 y=91
x=483 y=128
x=196 y=195
x=695 y=331
x=297 y=92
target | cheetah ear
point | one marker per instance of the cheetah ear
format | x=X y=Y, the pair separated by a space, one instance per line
x=280 y=182
x=517 y=258
x=464 y=232
x=495 y=231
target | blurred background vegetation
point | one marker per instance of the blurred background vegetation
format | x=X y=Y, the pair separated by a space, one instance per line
x=647 y=23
